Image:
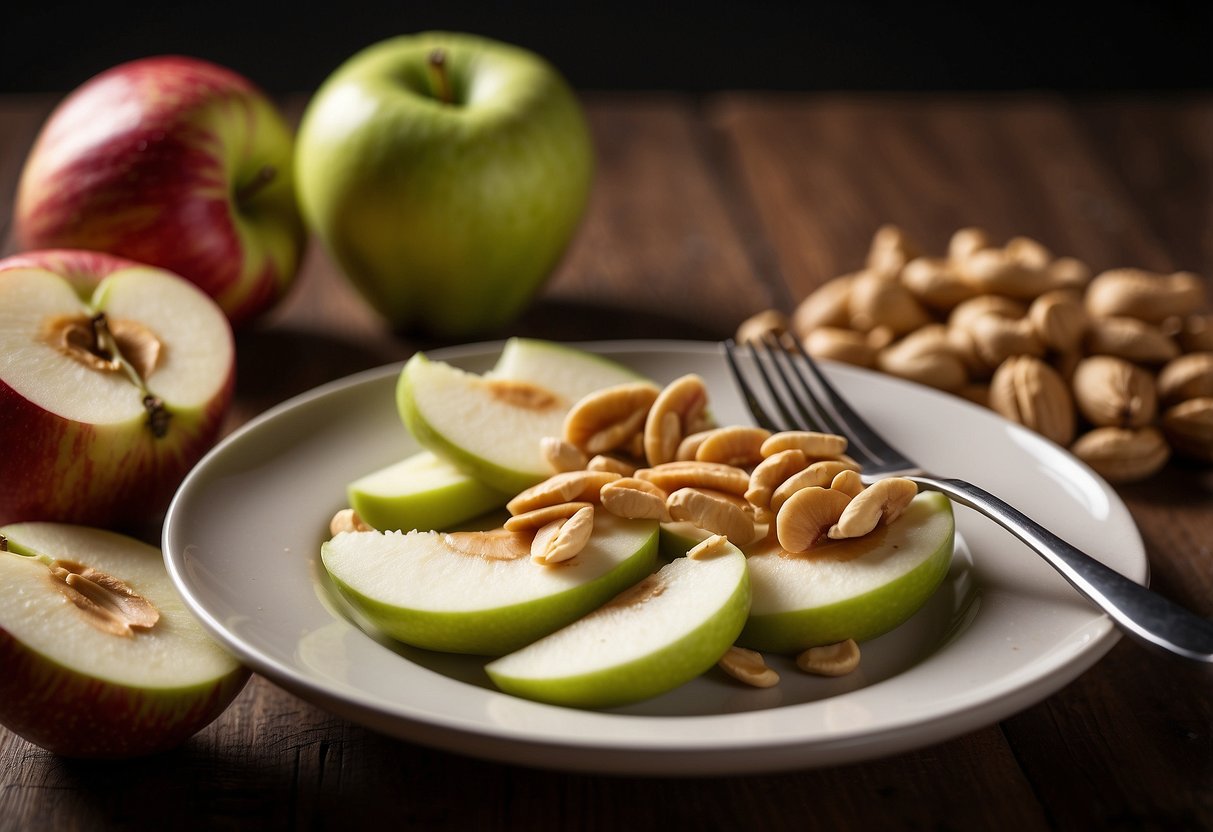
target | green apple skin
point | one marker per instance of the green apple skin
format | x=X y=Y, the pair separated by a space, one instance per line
x=872 y=613
x=447 y=217
x=661 y=671
x=77 y=714
x=421 y=492
x=500 y=630
x=573 y=374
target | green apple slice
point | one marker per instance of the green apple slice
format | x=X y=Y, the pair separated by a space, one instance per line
x=854 y=589
x=425 y=590
x=422 y=492
x=491 y=426
x=428 y=492
x=654 y=637
x=94 y=668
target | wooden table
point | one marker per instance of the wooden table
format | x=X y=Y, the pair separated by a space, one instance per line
x=705 y=210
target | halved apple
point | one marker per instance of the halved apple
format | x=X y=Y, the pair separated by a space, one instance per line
x=652 y=638
x=100 y=656
x=115 y=380
x=473 y=592
x=855 y=589
x=491 y=426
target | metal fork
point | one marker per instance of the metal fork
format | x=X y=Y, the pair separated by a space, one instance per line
x=802 y=399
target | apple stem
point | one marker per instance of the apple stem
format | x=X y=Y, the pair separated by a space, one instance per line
x=3 y=543
x=438 y=75
x=264 y=176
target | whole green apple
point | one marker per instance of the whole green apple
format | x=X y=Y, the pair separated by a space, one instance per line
x=446 y=174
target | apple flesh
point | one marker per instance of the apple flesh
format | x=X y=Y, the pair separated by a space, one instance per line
x=491 y=427
x=106 y=399
x=433 y=591
x=659 y=634
x=855 y=589
x=446 y=173
x=174 y=162
x=82 y=680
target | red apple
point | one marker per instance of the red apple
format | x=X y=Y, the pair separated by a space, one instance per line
x=101 y=656
x=173 y=162
x=115 y=381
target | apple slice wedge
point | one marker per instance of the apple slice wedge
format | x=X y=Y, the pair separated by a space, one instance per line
x=480 y=593
x=491 y=426
x=101 y=657
x=653 y=637
x=423 y=492
x=855 y=589
x=426 y=491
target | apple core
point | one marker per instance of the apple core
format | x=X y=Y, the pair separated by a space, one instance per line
x=112 y=346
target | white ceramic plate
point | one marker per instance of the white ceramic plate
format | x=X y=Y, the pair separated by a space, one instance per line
x=1004 y=631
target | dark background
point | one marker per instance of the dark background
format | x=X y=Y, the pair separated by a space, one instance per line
x=291 y=47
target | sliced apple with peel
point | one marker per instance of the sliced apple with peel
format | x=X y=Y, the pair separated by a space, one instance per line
x=422 y=491
x=491 y=426
x=479 y=591
x=426 y=491
x=100 y=655
x=857 y=589
x=654 y=637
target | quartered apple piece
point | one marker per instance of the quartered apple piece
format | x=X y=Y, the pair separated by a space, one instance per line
x=653 y=637
x=480 y=593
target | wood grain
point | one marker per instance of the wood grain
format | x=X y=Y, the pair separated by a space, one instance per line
x=705 y=210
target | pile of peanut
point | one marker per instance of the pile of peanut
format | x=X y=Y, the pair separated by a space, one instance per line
x=645 y=452
x=1117 y=367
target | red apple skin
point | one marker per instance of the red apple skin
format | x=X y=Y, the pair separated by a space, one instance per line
x=95 y=475
x=146 y=161
x=83 y=269
x=74 y=715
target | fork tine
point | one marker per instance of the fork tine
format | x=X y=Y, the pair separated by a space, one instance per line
x=811 y=415
x=751 y=400
x=863 y=438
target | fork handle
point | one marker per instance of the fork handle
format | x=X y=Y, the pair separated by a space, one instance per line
x=1144 y=615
